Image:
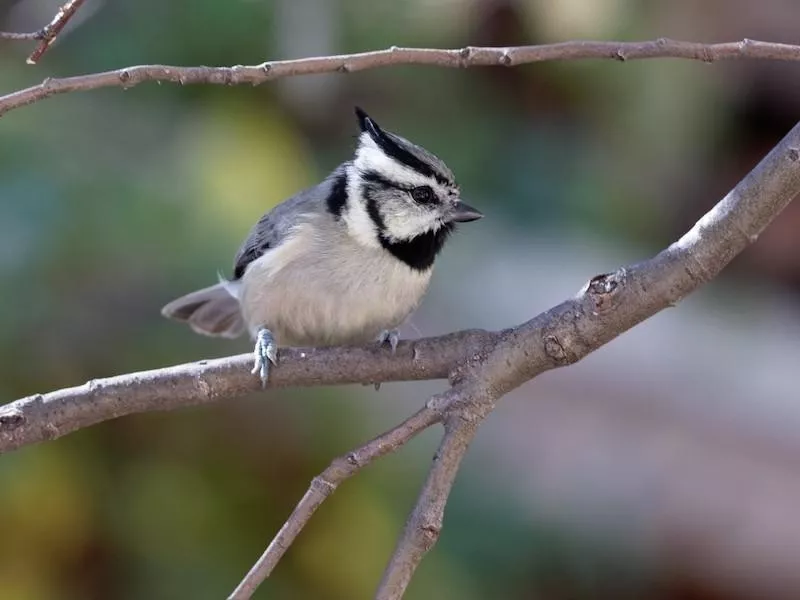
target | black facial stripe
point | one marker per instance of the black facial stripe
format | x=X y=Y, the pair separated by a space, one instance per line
x=418 y=252
x=372 y=210
x=376 y=178
x=337 y=199
x=400 y=154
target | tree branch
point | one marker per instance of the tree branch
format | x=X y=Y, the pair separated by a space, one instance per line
x=47 y=34
x=48 y=416
x=470 y=56
x=425 y=522
x=323 y=485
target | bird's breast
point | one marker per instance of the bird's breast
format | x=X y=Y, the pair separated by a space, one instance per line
x=312 y=293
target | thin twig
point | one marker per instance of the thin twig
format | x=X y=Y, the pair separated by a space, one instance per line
x=10 y=35
x=53 y=28
x=47 y=34
x=470 y=56
x=323 y=486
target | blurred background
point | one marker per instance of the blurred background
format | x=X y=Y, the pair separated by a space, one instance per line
x=664 y=466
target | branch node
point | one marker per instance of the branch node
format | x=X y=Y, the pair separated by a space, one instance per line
x=793 y=154
x=554 y=349
x=604 y=289
x=620 y=55
x=11 y=420
x=505 y=58
x=603 y=284
x=430 y=535
x=352 y=459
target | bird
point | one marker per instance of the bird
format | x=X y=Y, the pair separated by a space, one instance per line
x=342 y=263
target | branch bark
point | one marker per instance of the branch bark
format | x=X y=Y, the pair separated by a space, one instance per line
x=48 y=416
x=425 y=522
x=470 y=56
x=47 y=34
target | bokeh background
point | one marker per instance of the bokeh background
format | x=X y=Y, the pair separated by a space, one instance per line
x=664 y=466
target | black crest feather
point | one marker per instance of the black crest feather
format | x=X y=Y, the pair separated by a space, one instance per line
x=394 y=146
x=367 y=125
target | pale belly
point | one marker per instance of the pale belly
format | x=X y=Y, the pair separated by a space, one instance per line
x=322 y=298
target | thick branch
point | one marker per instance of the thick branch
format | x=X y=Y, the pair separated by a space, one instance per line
x=48 y=416
x=465 y=57
x=47 y=34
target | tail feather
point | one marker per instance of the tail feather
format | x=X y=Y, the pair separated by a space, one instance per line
x=210 y=311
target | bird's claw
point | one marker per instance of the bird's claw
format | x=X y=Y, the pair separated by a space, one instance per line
x=392 y=336
x=265 y=352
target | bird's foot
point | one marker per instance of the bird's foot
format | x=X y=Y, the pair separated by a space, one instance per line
x=265 y=352
x=390 y=336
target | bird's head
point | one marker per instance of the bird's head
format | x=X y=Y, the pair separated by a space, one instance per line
x=402 y=196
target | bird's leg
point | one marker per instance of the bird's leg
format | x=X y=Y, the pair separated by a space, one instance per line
x=265 y=352
x=392 y=336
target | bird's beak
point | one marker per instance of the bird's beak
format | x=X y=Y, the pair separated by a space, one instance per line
x=464 y=213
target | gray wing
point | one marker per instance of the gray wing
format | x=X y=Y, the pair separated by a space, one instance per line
x=275 y=225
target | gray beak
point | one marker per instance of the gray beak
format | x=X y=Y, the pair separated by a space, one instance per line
x=464 y=213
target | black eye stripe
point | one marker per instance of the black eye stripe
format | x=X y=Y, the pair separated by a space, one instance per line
x=376 y=178
x=422 y=194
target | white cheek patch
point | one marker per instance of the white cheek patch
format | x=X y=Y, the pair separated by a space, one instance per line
x=410 y=222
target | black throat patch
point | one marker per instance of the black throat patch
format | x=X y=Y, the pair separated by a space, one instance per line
x=418 y=252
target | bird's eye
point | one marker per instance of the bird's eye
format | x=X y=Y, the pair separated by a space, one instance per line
x=423 y=194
